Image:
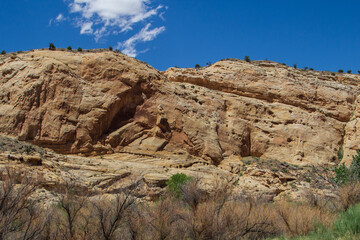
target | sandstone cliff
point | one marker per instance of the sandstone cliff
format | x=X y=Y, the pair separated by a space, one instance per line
x=103 y=102
x=233 y=121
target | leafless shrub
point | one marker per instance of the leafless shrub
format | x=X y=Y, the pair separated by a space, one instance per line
x=20 y=216
x=163 y=218
x=135 y=223
x=221 y=215
x=192 y=195
x=69 y=218
x=325 y=203
x=298 y=219
x=348 y=195
x=111 y=212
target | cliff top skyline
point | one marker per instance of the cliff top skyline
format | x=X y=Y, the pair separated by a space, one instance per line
x=323 y=35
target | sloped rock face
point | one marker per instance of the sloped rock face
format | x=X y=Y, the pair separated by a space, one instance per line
x=69 y=101
x=283 y=113
x=104 y=102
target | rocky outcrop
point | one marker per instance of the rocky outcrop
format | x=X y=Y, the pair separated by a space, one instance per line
x=70 y=101
x=277 y=111
x=101 y=102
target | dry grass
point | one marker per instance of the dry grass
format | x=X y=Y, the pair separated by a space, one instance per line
x=348 y=195
x=299 y=219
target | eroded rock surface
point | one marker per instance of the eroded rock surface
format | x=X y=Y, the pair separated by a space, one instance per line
x=274 y=111
x=70 y=101
x=101 y=102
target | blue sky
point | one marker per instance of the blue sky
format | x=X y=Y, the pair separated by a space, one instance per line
x=324 y=35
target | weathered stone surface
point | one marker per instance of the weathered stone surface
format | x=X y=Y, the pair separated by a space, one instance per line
x=147 y=173
x=273 y=111
x=33 y=160
x=69 y=101
x=102 y=102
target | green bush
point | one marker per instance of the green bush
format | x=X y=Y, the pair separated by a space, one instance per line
x=52 y=47
x=110 y=48
x=176 y=182
x=348 y=71
x=69 y=48
x=247 y=59
x=346 y=226
x=79 y=49
x=3 y=52
x=348 y=174
x=197 y=66
x=340 y=153
x=340 y=71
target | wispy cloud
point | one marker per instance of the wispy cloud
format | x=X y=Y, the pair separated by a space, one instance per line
x=146 y=34
x=100 y=18
x=58 y=19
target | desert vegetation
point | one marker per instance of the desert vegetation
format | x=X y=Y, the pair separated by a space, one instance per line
x=52 y=47
x=185 y=211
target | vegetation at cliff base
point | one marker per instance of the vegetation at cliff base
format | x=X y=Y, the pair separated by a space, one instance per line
x=348 y=174
x=176 y=182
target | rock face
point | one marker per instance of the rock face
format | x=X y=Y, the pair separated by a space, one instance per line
x=69 y=101
x=274 y=111
x=104 y=102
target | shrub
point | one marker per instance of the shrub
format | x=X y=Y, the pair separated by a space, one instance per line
x=110 y=48
x=348 y=174
x=69 y=48
x=79 y=49
x=197 y=66
x=295 y=65
x=3 y=52
x=349 y=221
x=342 y=174
x=176 y=182
x=247 y=59
x=340 y=71
x=28 y=149
x=52 y=47
x=340 y=153
x=358 y=72
x=306 y=68
x=311 y=69
x=346 y=226
x=348 y=195
x=20 y=215
x=348 y=71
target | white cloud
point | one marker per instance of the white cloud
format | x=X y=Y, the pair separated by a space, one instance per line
x=58 y=19
x=86 y=28
x=109 y=14
x=145 y=35
x=100 y=18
